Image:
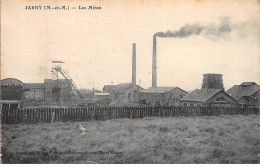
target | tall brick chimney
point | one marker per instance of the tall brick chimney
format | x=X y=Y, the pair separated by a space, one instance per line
x=134 y=64
x=154 y=66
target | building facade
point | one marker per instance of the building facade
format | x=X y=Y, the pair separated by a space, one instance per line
x=124 y=93
x=12 y=94
x=166 y=96
x=208 y=97
x=246 y=94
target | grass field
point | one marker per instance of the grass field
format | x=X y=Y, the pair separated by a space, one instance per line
x=220 y=139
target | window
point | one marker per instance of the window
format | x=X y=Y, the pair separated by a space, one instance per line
x=220 y=99
x=255 y=100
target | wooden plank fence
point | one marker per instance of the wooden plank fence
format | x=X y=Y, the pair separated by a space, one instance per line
x=105 y=113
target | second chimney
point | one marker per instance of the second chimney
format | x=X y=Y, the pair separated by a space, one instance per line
x=154 y=66
x=134 y=65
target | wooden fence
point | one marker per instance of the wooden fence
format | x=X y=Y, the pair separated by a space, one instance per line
x=104 y=113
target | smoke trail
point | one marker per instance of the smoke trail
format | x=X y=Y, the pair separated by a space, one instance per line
x=210 y=31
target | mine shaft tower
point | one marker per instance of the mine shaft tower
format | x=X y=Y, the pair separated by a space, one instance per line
x=56 y=70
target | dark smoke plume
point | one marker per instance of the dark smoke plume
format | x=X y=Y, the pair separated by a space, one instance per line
x=209 y=31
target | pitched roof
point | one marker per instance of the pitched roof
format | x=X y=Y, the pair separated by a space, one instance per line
x=136 y=86
x=89 y=91
x=200 y=95
x=11 y=81
x=239 y=91
x=34 y=86
x=158 y=89
x=109 y=87
x=118 y=87
x=248 y=83
x=101 y=94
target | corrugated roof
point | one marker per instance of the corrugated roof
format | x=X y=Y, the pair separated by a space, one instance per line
x=34 y=86
x=11 y=81
x=158 y=89
x=239 y=91
x=200 y=95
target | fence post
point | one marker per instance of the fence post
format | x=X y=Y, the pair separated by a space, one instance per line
x=131 y=112
x=92 y=113
x=52 y=115
x=3 y=116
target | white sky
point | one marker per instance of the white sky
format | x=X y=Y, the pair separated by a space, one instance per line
x=97 y=45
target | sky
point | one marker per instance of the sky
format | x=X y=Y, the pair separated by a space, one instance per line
x=96 y=45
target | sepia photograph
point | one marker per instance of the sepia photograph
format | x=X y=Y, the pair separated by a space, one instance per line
x=130 y=82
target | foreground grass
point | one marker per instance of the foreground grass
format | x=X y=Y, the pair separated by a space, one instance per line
x=221 y=139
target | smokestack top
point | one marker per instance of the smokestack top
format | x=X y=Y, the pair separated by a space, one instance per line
x=212 y=74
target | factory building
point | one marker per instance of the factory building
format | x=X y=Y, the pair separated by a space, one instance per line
x=33 y=94
x=211 y=93
x=51 y=92
x=125 y=92
x=164 y=96
x=11 y=93
x=16 y=94
x=246 y=94
x=88 y=94
x=34 y=91
x=208 y=97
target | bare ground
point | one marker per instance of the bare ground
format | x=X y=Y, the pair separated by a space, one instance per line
x=215 y=139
